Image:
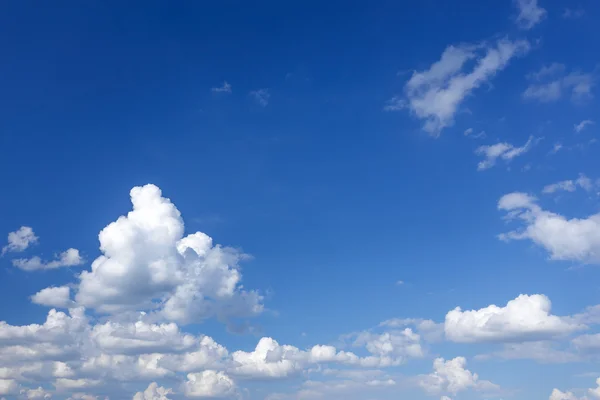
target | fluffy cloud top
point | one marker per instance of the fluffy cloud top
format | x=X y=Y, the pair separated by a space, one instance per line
x=209 y=384
x=434 y=95
x=524 y=318
x=153 y=392
x=147 y=264
x=452 y=377
x=576 y=239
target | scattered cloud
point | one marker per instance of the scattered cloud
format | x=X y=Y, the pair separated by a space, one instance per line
x=209 y=384
x=576 y=239
x=550 y=83
x=59 y=297
x=452 y=377
x=434 y=95
x=470 y=133
x=558 y=395
x=556 y=148
x=68 y=258
x=225 y=88
x=153 y=392
x=530 y=14
x=525 y=318
x=582 y=125
x=570 y=185
x=570 y=13
x=504 y=150
x=261 y=96
x=20 y=240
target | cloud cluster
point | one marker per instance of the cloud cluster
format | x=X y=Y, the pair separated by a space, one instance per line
x=451 y=377
x=575 y=239
x=434 y=95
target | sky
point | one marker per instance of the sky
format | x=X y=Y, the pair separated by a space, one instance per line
x=300 y=200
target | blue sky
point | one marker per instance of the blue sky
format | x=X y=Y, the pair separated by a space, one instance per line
x=356 y=172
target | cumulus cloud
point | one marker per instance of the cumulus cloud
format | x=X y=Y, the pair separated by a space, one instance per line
x=8 y=387
x=576 y=239
x=452 y=377
x=59 y=297
x=434 y=95
x=225 y=88
x=35 y=394
x=20 y=240
x=505 y=151
x=522 y=319
x=68 y=258
x=153 y=392
x=530 y=13
x=558 y=395
x=210 y=384
x=261 y=96
x=550 y=83
x=147 y=264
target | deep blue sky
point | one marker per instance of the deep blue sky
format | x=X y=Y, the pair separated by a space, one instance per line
x=335 y=198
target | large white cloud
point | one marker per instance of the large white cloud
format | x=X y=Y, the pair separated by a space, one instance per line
x=147 y=264
x=575 y=239
x=522 y=319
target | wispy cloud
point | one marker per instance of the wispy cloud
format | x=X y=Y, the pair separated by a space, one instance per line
x=503 y=150
x=530 y=14
x=470 y=133
x=550 y=83
x=556 y=148
x=434 y=95
x=261 y=96
x=226 y=88
x=569 y=13
x=570 y=185
x=582 y=125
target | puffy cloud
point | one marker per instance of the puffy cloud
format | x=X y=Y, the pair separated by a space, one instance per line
x=210 y=384
x=140 y=338
x=153 y=392
x=20 y=240
x=68 y=258
x=582 y=125
x=8 y=386
x=504 y=150
x=522 y=319
x=530 y=14
x=226 y=88
x=261 y=96
x=550 y=83
x=396 y=345
x=147 y=264
x=587 y=343
x=59 y=297
x=434 y=95
x=36 y=394
x=575 y=239
x=452 y=377
x=558 y=395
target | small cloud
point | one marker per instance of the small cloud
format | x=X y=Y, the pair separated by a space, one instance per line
x=503 y=150
x=530 y=14
x=20 y=240
x=550 y=83
x=399 y=283
x=68 y=258
x=226 y=88
x=573 y=14
x=570 y=185
x=581 y=126
x=556 y=148
x=468 y=131
x=261 y=96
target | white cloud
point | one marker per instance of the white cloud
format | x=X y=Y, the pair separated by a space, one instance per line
x=522 y=319
x=570 y=185
x=261 y=96
x=576 y=239
x=54 y=297
x=210 y=384
x=505 y=151
x=397 y=345
x=558 y=395
x=8 y=386
x=20 y=240
x=35 y=394
x=69 y=385
x=550 y=83
x=147 y=264
x=226 y=88
x=434 y=95
x=452 y=377
x=68 y=258
x=530 y=14
x=153 y=392
x=582 y=125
